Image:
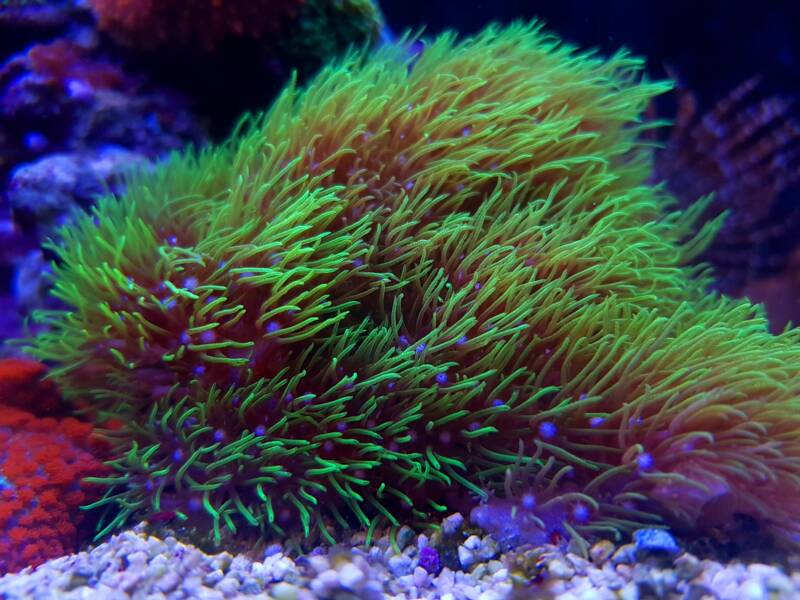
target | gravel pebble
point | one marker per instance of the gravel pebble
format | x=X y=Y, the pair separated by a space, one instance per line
x=351 y=577
x=625 y=555
x=136 y=565
x=466 y=557
x=405 y=536
x=488 y=548
x=228 y=586
x=687 y=567
x=601 y=552
x=213 y=578
x=655 y=540
x=284 y=591
x=420 y=577
x=168 y=582
x=452 y=524
x=559 y=569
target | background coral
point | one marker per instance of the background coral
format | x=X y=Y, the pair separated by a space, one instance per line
x=61 y=97
x=22 y=385
x=206 y=23
x=779 y=294
x=232 y=56
x=78 y=111
x=732 y=42
x=72 y=124
x=422 y=276
x=43 y=462
x=746 y=151
x=323 y=30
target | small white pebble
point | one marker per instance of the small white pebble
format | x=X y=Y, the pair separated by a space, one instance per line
x=213 y=578
x=168 y=582
x=192 y=585
x=325 y=583
x=420 y=577
x=559 y=569
x=473 y=542
x=261 y=572
x=601 y=552
x=282 y=567
x=752 y=590
x=466 y=557
x=629 y=592
x=240 y=564
x=504 y=588
x=479 y=571
x=488 y=548
x=155 y=547
x=156 y=570
x=494 y=566
x=445 y=580
x=581 y=565
x=500 y=575
x=250 y=586
x=404 y=536
x=284 y=591
x=452 y=524
x=137 y=560
x=606 y=577
x=228 y=586
x=724 y=582
x=778 y=583
x=351 y=577
x=400 y=565
x=221 y=561
x=319 y=563
x=624 y=555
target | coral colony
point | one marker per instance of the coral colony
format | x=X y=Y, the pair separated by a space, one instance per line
x=744 y=152
x=42 y=463
x=207 y=24
x=428 y=281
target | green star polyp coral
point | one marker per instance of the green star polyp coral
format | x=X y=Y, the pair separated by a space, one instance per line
x=402 y=284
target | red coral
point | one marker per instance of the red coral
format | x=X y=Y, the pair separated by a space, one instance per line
x=42 y=465
x=22 y=386
x=150 y=23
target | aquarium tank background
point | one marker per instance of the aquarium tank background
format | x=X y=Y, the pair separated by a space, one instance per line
x=339 y=299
